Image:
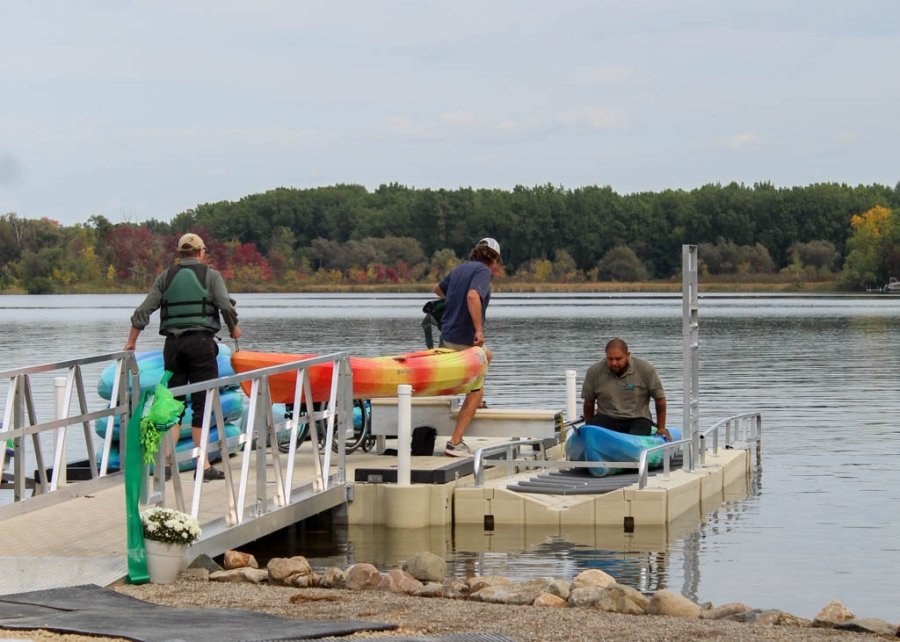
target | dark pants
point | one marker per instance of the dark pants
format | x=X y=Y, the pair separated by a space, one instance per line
x=634 y=426
x=192 y=358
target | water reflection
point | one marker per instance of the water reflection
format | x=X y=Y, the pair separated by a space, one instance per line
x=653 y=557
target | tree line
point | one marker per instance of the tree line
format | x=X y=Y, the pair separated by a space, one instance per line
x=345 y=234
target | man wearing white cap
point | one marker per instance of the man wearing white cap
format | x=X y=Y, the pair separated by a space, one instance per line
x=467 y=290
x=190 y=296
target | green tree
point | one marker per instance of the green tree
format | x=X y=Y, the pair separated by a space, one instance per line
x=621 y=264
x=819 y=254
x=866 y=263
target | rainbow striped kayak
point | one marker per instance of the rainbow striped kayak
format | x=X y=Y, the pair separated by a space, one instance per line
x=429 y=372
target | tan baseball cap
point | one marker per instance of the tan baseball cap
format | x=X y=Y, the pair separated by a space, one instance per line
x=191 y=242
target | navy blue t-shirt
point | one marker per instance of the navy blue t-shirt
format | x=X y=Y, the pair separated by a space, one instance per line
x=457 y=326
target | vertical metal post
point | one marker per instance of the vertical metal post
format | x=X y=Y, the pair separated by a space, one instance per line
x=690 y=352
x=60 y=411
x=571 y=396
x=404 y=434
x=346 y=391
x=19 y=445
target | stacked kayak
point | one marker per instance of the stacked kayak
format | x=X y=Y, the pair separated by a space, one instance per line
x=593 y=443
x=429 y=372
x=150 y=365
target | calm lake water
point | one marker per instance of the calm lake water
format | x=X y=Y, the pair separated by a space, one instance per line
x=818 y=521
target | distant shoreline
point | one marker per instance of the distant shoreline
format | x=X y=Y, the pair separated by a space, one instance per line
x=504 y=286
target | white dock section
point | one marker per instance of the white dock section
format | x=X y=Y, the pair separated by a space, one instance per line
x=661 y=501
x=84 y=539
x=58 y=534
x=441 y=412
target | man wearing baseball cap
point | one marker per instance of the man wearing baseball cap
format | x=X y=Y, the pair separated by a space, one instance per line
x=191 y=297
x=467 y=291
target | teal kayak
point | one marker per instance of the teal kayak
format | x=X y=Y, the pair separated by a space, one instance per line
x=231 y=430
x=150 y=365
x=593 y=443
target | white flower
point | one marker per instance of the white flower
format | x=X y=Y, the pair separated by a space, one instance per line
x=171 y=526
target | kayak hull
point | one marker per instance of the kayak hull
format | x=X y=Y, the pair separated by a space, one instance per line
x=183 y=444
x=593 y=443
x=428 y=372
x=150 y=365
x=232 y=410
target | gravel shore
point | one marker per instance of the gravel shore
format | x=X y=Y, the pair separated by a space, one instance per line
x=437 y=616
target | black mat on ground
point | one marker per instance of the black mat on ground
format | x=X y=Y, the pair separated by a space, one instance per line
x=74 y=598
x=93 y=610
x=459 y=637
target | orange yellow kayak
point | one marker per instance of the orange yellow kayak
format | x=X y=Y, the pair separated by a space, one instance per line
x=429 y=372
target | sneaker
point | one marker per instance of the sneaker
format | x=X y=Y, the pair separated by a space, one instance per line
x=213 y=474
x=458 y=450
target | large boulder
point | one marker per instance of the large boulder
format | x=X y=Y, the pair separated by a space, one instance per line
x=831 y=615
x=398 y=581
x=614 y=599
x=333 y=577
x=592 y=577
x=869 y=625
x=362 y=577
x=475 y=584
x=427 y=567
x=672 y=604
x=726 y=610
x=240 y=575
x=205 y=561
x=520 y=593
x=283 y=571
x=239 y=559
x=548 y=599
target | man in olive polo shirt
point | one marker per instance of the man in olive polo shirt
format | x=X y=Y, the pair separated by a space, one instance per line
x=621 y=387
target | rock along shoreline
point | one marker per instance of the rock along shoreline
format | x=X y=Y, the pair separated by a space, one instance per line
x=592 y=606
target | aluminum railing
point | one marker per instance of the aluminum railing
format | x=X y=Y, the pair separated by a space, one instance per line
x=539 y=459
x=20 y=421
x=260 y=431
x=739 y=431
x=669 y=448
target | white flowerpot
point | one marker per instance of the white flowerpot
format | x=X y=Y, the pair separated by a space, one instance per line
x=163 y=561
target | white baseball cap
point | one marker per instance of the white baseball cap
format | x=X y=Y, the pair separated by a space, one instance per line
x=490 y=243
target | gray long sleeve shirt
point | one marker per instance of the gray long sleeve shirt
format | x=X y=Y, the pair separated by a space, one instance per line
x=141 y=317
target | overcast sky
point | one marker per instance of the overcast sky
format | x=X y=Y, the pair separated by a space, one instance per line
x=138 y=109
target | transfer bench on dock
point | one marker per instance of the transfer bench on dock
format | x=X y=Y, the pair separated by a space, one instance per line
x=441 y=412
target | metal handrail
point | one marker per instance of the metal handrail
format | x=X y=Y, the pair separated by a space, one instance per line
x=642 y=465
x=260 y=429
x=20 y=421
x=644 y=461
x=510 y=448
x=745 y=429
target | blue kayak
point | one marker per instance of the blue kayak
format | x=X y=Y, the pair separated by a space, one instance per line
x=231 y=430
x=593 y=443
x=151 y=368
x=232 y=409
